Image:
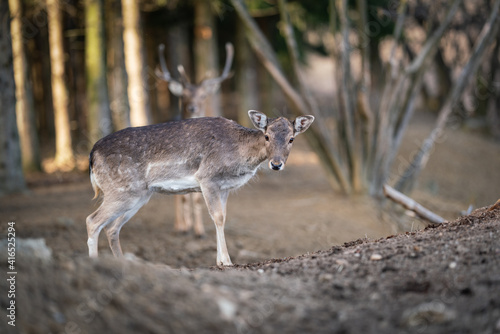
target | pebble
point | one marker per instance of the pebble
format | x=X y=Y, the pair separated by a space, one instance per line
x=428 y=313
x=227 y=308
x=325 y=278
x=376 y=257
x=341 y=262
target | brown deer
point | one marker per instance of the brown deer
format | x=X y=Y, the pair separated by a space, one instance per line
x=193 y=100
x=211 y=155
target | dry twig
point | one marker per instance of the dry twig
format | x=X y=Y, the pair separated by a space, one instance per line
x=412 y=205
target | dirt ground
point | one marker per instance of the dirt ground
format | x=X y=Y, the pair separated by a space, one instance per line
x=444 y=279
x=440 y=280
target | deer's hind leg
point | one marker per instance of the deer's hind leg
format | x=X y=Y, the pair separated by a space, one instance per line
x=113 y=210
x=183 y=221
x=199 y=230
x=113 y=229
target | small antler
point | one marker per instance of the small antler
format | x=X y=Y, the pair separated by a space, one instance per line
x=163 y=74
x=184 y=76
x=225 y=73
x=175 y=86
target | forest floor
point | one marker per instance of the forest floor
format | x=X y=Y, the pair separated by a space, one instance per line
x=291 y=238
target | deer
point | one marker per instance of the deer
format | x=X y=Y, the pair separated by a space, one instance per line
x=192 y=101
x=210 y=155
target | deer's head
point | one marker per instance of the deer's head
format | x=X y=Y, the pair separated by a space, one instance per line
x=279 y=134
x=193 y=96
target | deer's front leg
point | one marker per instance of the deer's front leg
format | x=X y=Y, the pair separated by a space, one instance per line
x=216 y=200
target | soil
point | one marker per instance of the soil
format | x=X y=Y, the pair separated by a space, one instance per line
x=439 y=280
x=291 y=237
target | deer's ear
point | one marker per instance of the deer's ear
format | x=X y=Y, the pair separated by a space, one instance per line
x=258 y=119
x=302 y=123
x=176 y=88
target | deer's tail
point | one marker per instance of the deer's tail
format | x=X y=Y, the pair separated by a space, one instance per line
x=96 y=188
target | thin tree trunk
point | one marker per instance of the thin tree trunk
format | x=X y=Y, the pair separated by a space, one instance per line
x=11 y=173
x=489 y=31
x=64 y=158
x=206 y=58
x=98 y=113
x=117 y=74
x=246 y=76
x=335 y=56
x=348 y=126
x=135 y=63
x=25 y=107
x=365 y=113
x=177 y=54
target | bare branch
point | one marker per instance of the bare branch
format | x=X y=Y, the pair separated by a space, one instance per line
x=485 y=38
x=397 y=36
x=433 y=41
x=412 y=205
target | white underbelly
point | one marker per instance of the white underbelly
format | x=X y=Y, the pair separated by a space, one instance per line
x=177 y=186
x=236 y=182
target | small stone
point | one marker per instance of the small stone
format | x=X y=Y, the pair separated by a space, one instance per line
x=452 y=265
x=341 y=262
x=227 y=308
x=375 y=257
x=29 y=248
x=325 y=278
x=428 y=313
x=260 y=271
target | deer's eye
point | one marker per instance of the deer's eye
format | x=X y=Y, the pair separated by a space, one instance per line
x=291 y=140
x=267 y=137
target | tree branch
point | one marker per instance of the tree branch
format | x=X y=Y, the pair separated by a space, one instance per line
x=412 y=205
x=485 y=38
x=433 y=41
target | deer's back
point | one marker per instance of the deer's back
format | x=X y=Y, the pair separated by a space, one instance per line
x=170 y=151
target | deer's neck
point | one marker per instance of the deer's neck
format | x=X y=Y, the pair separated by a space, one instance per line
x=254 y=148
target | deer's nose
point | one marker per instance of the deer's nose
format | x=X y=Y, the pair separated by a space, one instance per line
x=276 y=165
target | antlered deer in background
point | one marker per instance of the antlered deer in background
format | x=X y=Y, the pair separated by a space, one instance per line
x=193 y=101
x=207 y=155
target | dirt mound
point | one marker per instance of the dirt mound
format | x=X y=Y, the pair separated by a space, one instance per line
x=444 y=279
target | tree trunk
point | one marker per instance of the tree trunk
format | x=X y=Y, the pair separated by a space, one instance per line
x=98 y=113
x=135 y=63
x=11 y=174
x=206 y=58
x=25 y=107
x=117 y=74
x=64 y=153
x=177 y=54
x=348 y=126
x=246 y=76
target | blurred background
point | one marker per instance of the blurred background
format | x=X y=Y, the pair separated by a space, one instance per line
x=406 y=93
